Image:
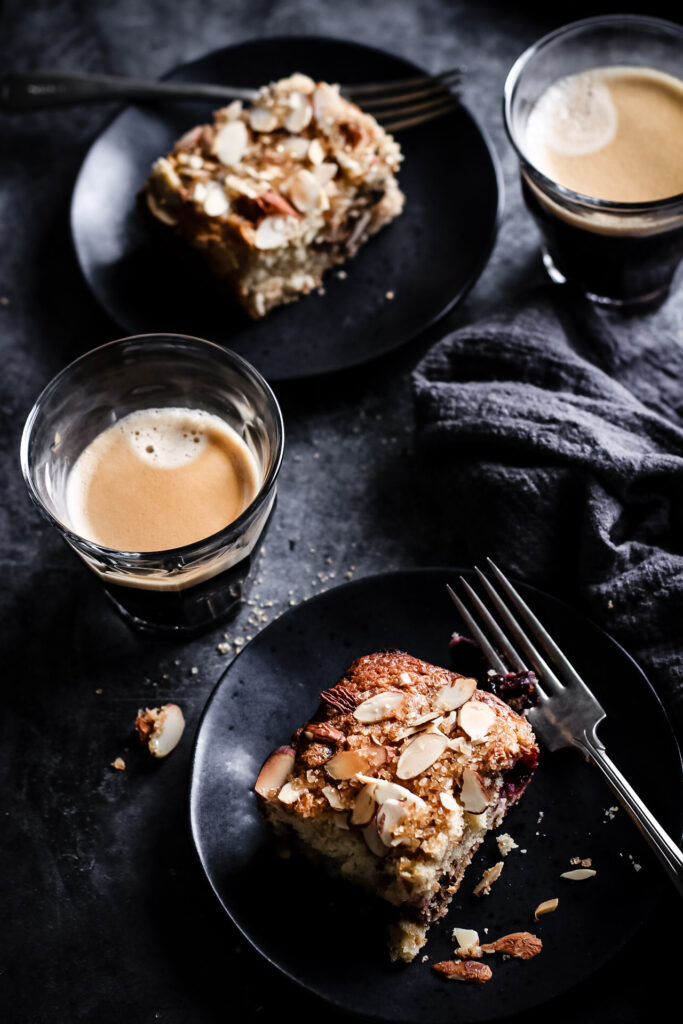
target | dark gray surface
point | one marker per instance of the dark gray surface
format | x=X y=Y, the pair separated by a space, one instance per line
x=105 y=915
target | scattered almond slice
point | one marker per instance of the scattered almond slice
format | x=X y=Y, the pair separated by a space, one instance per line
x=547 y=907
x=301 y=113
x=464 y=970
x=476 y=719
x=491 y=875
x=364 y=806
x=474 y=795
x=304 y=191
x=215 y=201
x=290 y=792
x=379 y=706
x=348 y=763
x=578 y=874
x=231 y=142
x=373 y=841
x=385 y=790
x=468 y=943
x=522 y=945
x=391 y=815
x=333 y=798
x=119 y=764
x=274 y=232
x=275 y=771
x=448 y=801
x=160 y=728
x=262 y=120
x=449 y=698
x=420 y=753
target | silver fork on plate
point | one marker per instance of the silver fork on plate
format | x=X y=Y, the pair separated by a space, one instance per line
x=568 y=713
x=397 y=104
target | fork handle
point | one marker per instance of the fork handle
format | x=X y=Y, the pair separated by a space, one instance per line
x=42 y=90
x=660 y=841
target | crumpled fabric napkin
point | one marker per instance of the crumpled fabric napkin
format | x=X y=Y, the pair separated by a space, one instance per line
x=556 y=429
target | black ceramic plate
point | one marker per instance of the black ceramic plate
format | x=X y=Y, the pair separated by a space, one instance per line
x=273 y=686
x=428 y=258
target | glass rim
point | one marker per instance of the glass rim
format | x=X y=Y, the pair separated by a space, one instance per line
x=187 y=551
x=512 y=80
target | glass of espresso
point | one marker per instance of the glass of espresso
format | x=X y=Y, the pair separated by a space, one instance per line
x=595 y=113
x=156 y=457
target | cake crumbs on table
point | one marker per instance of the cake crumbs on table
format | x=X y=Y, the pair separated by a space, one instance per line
x=119 y=764
x=194 y=670
x=506 y=844
x=223 y=647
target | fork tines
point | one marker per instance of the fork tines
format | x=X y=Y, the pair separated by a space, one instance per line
x=409 y=101
x=514 y=643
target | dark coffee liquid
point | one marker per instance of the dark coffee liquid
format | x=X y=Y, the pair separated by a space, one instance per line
x=192 y=609
x=622 y=268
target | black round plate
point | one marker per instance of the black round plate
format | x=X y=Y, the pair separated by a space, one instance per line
x=428 y=258
x=330 y=937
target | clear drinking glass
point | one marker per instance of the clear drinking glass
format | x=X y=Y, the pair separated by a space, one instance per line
x=183 y=589
x=619 y=254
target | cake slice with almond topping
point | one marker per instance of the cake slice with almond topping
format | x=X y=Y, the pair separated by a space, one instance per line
x=275 y=195
x=396 y=780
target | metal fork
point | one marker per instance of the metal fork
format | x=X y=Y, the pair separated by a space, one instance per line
x=568 y=713
x=398 y=104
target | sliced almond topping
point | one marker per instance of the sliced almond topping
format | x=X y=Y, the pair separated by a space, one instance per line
x=333 y=798
x=231 y=142
x=464 y=970
x=324 y=173
x=391 y=815
x=449 y=802
x=474 y=795
x=491 y=875
x=420 y=753
x=579 y=874
x=381 y=705
x=233 y=110
x=275 y=771
x=405 y=679
x=304 y=191
x=364 y=806
x=316 y=154
x=262 y=120
x=384 y=790
x=373 y=841
x=468 y=942
x=301 y=113
x=290 y=792
x=273 y=232
x=448 y=698
x=348 y=763
x=215 y=201
x=325 y=104
x=522 y=945
x=547 y=907
x=476 y=719
x=297 y=147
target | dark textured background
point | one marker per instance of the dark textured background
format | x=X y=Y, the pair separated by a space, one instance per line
x=104 y=915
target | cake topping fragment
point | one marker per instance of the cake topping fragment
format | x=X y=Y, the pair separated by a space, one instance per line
x=160 y=729
x=579 y=874
x=348 y=763
x=522 y=945
x=381 y=705
x=468 y=943
x=464 y=970
x=420 y=753
x=276 y=769
x=474 y=795
x=451 y=697
x=491 y=875
x=476 y=719
x=547 y=907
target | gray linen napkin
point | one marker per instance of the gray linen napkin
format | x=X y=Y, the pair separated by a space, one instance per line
x=557 y=430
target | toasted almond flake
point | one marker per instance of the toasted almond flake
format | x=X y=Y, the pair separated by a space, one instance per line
x=420 y=753
x=390 y=817
x=491 y=875
x=449 y=802
x=301 y=113
x=297 y=147
x=385 y=790
x=304 y=191
x=405 y=679
x=290 y=792
x=333 y=798
x=199 y=192
x=262 y=120
x=364 y=805
x=325 y=172
x=373 y=841
x=273 y=232
x=275 y=771
x=474 y=795
x=231 y=142
x=316 y=153
x=476 y=719
x=215 y=201
x=119 y=764
x=348 y=763
x=325 y=104
x=547 y=907
x=451 y=697
x=467 y=940
x=578 y=874
x=381 y=705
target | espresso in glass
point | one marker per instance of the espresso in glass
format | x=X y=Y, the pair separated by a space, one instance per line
x=156 y=457
x=595 y=111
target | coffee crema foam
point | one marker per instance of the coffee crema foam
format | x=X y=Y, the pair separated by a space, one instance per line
x=612 y=133
x=160 y=479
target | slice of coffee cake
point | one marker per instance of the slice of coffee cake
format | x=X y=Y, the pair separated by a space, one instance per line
x=395 y=781
x=274 y=195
